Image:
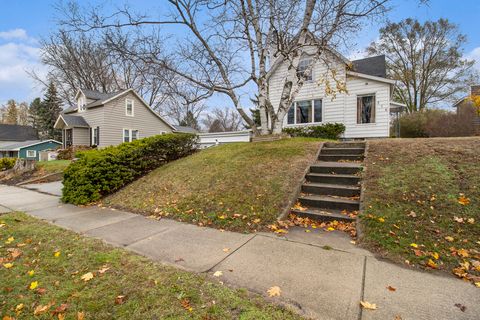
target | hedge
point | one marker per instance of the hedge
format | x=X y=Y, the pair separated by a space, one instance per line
x=99 y=172
x=325 y=131
x=7 y=163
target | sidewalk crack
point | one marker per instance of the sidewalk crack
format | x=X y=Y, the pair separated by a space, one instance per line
x=362 y=291
x=231 y=253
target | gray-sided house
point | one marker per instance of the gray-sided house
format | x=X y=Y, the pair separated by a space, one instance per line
x=106 y=119
x=22 y=142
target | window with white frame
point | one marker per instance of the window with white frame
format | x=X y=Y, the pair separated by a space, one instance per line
x=82 y=106
x=31 y=153
x=306 y=111
x=129 y=107
x=130 y=135
x=95 y=136
x=366 y=108
x=304 y=70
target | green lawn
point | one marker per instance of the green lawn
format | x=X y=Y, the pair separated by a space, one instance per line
x=422 y=203
x=240 y=187
x=57 y=274
x=52 y=166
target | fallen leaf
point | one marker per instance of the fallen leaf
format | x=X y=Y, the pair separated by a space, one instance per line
x=412 y=214
x=33 y=285
x=414 y=245
x=463 y=253
x=10 y=240
x=381 y=219
x=449 y=239
x=80 y=315
x=226 y=249
x=8 y=265
x=368 y=305
x=274 y=291
x=103 y=270
x=87 y=276
x=435 y=255
x=330 y=229
x=120 y=299
x=471 y=220
x=61 y=308
x=218 y=273
x=41 y=309
x=41 y=291
x=61 y=316
x=19 y=308
x=432 y=264
x=8 y=318
x=457 y=219
x=463 y=200
x=390 y=288
x=256 y=221
x=57 y=254
x=179 y=260
x=31 y=273
x=186 y=305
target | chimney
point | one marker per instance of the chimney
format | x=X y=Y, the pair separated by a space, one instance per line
x=475 y=90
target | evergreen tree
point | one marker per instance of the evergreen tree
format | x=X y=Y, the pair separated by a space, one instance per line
x=190 y=121
x=34 y=113
x=49 y=111
x=11 y=116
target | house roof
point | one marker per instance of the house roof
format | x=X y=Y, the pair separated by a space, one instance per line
x=373 y=66
x=73 y=121
x=13 y=132
x=184 y=129
x=16 y=146
x=99 y=98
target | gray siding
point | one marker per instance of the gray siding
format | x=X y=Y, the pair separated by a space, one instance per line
x=81 y=136
x=144 y=120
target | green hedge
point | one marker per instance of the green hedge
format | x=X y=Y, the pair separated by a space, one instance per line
x=325 y=131
x=7 y=163
x=99 y=172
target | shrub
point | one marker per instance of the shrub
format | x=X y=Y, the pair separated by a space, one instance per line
x=99 y=172
x=325 y=131
x=436 y=123
x=70 y=152
x=7 y=163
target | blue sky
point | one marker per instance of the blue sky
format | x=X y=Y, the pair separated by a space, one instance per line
x=23 y=23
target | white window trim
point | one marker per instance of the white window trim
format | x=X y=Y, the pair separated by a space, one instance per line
x=94 y=136
x=133 y=107
x=34 y=153
x=130 y=131
x=312 y=71
x=313 y=113
x=374 y=94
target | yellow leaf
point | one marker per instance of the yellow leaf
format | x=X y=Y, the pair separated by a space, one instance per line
x=274 y=291
x=463 y=200
x=436 y=255
x=57 y=254
x=80 y=315
x=31 y=273
x=449 y=239
x=87 y=276
x=61 y=316
x=463 y=253
x=10 y=240
x=226 y=250
x=368 y=305
x=432 y=264
x=414 y=245
x=330 y=229
x=8 y=318
x=381 y=219
x=222 y=217
x=8 y=265
x=256 y=221
x=19 y=308
x=218 y=274
x=33 y=285
x=477 y=284
x=306 y=230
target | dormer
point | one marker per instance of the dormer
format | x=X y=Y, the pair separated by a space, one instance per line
x=81 y=103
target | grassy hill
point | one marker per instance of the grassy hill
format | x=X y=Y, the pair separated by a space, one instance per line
x=422 y=203
x=240 y=187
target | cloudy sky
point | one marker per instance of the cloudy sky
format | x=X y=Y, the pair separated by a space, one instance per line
x=23 y=23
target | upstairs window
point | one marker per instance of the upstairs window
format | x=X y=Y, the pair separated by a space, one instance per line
x=307 y=111
x=366 y=109
x=303 y=65
x=129 y=108
x=81 y=104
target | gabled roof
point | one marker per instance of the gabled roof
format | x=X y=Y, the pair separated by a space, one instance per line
x=72 y=121
x=13 y=132
x=20 y=145
x=373 y=66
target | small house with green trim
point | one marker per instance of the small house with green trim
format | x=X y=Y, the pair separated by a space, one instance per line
x=27 y=149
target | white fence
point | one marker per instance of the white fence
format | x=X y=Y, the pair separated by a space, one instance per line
x=216 y=138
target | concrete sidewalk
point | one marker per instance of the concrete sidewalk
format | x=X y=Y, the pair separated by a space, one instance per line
x=322 y=276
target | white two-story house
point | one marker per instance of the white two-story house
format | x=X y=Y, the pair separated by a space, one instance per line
x=365 y=108
x=105 y=119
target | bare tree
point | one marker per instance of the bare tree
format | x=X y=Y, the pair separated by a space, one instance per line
x=426 y=60
x=223 y=120
x=238 y=42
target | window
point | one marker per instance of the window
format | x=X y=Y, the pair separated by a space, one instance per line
x=81 y=104
x=95 y=136
x=366 y=109
x=303 y=65
x=163 y=132
x=130 y=135
x=129 y=107
x=31 y=153
x=307 y=111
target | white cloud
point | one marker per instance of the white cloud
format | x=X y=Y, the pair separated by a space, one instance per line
x=18 y=56
x=475 y=55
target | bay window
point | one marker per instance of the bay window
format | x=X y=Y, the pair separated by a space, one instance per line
x=306 y=111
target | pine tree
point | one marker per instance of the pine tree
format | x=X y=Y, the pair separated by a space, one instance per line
x=11 y=116
x=34 y=113
x=49 y=112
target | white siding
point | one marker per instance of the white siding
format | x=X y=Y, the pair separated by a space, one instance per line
x=81 y=137
x=343 y=107
x=206 y=140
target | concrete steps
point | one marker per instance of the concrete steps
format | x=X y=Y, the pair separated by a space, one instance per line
x=331 y=190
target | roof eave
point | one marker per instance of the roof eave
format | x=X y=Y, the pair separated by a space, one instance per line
x=370 y=77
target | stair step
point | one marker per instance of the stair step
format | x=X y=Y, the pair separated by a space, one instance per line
x=335 y=167
x=341 y=179
x=345 y=145
x=337 y=157
x=327 y=202
x=323 y=215
x=331 y=189
x=343 y=151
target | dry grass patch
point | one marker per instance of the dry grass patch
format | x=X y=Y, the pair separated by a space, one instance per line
x=422 y=203
x=240 y=187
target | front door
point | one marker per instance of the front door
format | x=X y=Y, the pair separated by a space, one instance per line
x=68 y=138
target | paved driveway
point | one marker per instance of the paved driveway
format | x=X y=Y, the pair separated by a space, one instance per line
x=53 y=188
